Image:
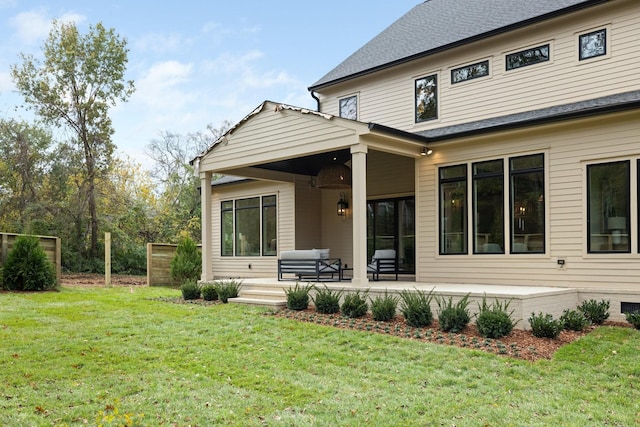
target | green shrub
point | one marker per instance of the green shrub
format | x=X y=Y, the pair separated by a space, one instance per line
x=453 y=317
x=208 y=291
x=27 y=267
x=595 y=311
x=190 y=290
x=298 y=297
x=416 y=307
x=355 y=304
x=327 y=301
x=574 y=320
x=494 y=321
x=187 y=263
x=227 y=289
x=545 y=326
x=383 y=308
x=633 y=318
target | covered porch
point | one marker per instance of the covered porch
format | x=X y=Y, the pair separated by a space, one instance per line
x=283 y=151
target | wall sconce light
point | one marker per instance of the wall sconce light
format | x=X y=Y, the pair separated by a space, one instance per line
x=426 y=151
x=342 y=205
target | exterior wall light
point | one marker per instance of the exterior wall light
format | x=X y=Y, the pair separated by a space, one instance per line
x=426 y=151
x=342 y=205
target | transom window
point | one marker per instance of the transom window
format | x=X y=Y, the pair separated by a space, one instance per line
x=526 y=57
x=248 y=226
x=524 y=183
x=469 y=72
x=592 y=44
x=426 y=93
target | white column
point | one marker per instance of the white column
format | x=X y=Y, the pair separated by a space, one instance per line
x=205 y=225
x=359 y=188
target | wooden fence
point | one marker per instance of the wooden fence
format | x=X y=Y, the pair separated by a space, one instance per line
x=51 y=246
x=159 y=256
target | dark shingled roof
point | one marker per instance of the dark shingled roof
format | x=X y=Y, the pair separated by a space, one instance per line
x=437 y=25
x=606 y=104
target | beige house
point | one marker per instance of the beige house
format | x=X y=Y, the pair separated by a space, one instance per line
x=489 y=143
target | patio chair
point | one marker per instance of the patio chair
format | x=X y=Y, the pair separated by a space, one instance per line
x=383 y=262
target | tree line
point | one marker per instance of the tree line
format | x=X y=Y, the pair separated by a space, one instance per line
x=60 y=174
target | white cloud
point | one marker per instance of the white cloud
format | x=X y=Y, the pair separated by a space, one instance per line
x=33 y=27
x=160 y=43
x=164 y=86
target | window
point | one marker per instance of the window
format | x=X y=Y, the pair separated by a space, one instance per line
x=349 y=107
x=269 y=242
x=527 y=204
x=453 y=212
x=488 y=202
x=525 y=186
x=608 y=207
x=527 y=57
x=593 y=44
x=426 y=98
x=249 y=227
x=469 y=72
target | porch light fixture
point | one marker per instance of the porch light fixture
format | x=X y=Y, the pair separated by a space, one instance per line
x=335 y=176
x=426 y=151
x=342 y=205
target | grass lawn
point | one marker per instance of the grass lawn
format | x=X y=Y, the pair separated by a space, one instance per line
x=89 y=356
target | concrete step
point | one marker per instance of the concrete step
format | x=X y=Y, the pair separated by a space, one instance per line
x=271 y=303
x=263 y=294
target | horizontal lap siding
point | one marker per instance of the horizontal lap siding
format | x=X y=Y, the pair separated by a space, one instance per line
x=387 y=97
x=568 y=147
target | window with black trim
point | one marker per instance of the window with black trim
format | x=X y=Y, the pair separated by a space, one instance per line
x=593 y=44
x=525 y=184
x=453 y=209
x=469 y=72
x=488 y=207
x=248 y=226
x=534 y=55
x=527 y=204
x=426 y=94
x=608 y=207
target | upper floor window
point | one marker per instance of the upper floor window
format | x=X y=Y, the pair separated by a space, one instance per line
x=349 y=107
x=529 y=56
x=592 y=44
x=468 y=72
x=426 y=93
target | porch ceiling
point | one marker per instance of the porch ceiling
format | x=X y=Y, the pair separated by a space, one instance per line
x=308 y=165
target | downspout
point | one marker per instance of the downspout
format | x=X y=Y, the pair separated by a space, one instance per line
x=314 y=96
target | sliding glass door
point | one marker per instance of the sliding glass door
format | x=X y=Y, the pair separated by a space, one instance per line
x=391 y=225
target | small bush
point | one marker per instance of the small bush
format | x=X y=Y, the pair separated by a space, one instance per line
x=208 y=291
x=416 y=307
x=355 y=304
x=494 y=321
x=383 y=308
x=574 y=320
x=633 y=318
x=27 y=267
x=187 y=263
x=298 y=297
x=227 y=289
x=327 y=301
x=453 y=317
x=595 y=311
x=190 y=290
x=545 y=326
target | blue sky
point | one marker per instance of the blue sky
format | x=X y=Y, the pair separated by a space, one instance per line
x=196 y=63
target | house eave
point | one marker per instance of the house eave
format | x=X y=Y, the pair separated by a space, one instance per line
x=458 y=43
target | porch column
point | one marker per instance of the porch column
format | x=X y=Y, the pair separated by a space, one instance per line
x=359 y=188
x=205 y=201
